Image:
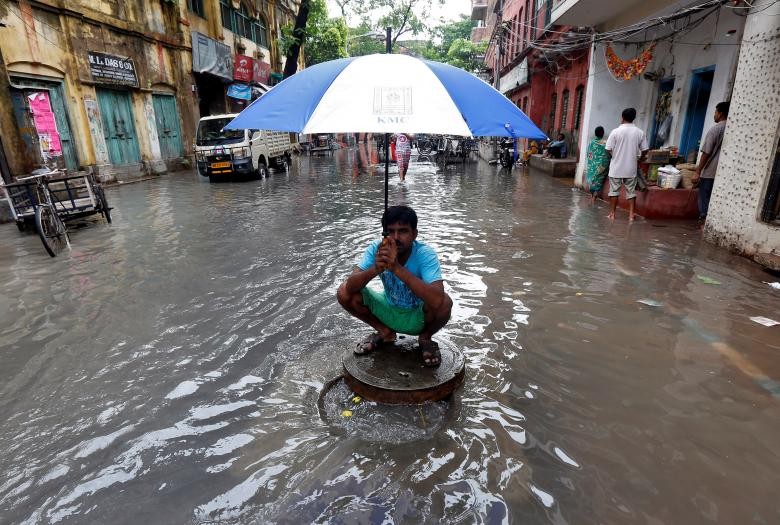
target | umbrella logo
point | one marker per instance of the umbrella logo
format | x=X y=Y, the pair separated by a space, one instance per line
x=392 y=101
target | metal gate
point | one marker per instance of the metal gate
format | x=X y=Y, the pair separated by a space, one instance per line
x=118 y=127
x=168 y=131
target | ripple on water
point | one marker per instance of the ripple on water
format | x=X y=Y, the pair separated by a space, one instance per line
x=375 y=422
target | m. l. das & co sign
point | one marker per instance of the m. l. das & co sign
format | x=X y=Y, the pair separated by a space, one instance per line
x=112 y=69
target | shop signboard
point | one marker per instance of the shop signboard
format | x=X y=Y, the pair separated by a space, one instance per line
x=112 y=69
x=243 y=68
x=210 y=56
x=239 y=91
x=516 y=77
x=262 y=72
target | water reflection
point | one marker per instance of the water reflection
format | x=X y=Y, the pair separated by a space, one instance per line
x=170 y=366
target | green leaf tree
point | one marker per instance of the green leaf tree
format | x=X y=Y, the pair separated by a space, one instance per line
x=322 y=38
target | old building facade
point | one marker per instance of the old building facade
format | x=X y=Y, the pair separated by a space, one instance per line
x=119 y=86
x=531 y=68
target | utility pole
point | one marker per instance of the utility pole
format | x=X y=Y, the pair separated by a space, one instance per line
x=497 y=70
x=388 y=50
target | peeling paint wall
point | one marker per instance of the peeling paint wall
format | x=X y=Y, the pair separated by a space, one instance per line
x=46 y=41
x=750 y=140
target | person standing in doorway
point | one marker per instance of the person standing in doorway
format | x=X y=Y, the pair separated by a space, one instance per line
x=708 y=162
x=625 y=145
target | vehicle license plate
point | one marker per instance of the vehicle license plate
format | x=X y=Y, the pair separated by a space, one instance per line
x=220 y=165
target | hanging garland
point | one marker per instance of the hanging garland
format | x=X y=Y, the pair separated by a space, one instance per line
x=627 y=69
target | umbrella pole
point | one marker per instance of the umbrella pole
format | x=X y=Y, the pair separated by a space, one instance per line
x=388 y=50
x=387 y=165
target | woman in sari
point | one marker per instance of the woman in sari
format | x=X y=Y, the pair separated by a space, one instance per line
x=598 y=163
x=533 y=149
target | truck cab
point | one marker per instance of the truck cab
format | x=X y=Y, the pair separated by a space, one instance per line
x=221 y=153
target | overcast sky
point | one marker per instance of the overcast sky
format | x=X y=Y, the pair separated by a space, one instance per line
x=449 y=11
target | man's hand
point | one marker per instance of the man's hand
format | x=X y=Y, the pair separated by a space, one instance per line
x=387 y=255
x=697 y=177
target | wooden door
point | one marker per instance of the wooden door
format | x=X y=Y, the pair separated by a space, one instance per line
x=168 y=131
x=118 y=126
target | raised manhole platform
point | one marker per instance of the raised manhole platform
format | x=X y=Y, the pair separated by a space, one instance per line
x=395 y=373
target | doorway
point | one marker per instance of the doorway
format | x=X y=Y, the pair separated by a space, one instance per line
x=118 y=126
x=168 y=131
x=696 y=111
x=662 y=121
x=42 y=118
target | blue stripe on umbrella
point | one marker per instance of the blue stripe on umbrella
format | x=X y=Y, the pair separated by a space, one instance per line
x=290 y=108
x=479 y=103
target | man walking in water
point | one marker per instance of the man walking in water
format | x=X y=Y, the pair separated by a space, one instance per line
x=625 y=145
x=413 y=301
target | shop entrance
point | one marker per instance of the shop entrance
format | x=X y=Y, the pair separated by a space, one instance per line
x=40 y=112
x=211 y=94
x=167 y=118
x=771 y=210
x=118 y=126
x=696 y=114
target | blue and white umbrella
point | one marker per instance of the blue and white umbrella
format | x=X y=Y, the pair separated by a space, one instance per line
x=387 y=94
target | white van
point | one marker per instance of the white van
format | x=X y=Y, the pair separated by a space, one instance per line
x=223 y=153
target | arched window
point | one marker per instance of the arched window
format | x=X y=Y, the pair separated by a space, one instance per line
x=579 y=93
x=564 y=109
x=525 y=105
x=226 y=12
x=241 y=22
x=553 y=109
x=260 y=32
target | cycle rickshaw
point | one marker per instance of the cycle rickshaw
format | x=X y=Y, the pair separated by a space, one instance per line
x=47 y=199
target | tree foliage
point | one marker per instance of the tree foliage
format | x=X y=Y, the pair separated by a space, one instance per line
x=323 y=38
x=406 y=17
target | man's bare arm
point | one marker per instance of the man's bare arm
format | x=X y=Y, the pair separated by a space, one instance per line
x=431 y=294
x=360 y=278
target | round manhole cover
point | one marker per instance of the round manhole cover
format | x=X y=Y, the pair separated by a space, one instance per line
x=395 y=373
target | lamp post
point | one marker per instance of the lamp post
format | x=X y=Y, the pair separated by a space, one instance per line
x=387 y=36
x=388 y=50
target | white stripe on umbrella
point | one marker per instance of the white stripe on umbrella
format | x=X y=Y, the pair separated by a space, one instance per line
x=383 y=101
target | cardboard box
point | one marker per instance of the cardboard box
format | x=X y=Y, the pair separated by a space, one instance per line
x=657 y=156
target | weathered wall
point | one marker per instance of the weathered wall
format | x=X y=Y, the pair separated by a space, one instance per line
x=50 y=40
x=750 y=140
x=707 y=45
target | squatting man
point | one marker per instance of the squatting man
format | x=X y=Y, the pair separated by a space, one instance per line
x=413 y=301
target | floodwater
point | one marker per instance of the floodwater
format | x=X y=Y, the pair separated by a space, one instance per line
x=169 y=368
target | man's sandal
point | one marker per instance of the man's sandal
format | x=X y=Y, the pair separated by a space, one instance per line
x=369 y=343
x=430 y=353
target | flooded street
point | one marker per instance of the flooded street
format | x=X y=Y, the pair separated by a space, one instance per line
x=169 y=368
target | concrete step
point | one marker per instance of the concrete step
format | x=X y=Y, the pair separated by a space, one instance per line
x=770 y=261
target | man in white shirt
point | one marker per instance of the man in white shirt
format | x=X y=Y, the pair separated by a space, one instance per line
x=625 y=145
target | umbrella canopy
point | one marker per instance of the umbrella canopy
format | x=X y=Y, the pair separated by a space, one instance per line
x=387 y=94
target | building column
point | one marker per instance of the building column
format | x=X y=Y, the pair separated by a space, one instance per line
x=750 y=140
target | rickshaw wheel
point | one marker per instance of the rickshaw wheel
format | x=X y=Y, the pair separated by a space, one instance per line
x=51 y=230
x=105 y=211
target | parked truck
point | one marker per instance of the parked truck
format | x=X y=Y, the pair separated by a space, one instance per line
x=221 y=153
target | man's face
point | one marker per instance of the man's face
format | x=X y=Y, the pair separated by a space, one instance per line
x=403 y=235
x=718 y=115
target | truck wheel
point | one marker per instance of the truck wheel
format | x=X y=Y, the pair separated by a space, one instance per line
x=283 y=164
x=262 y=169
